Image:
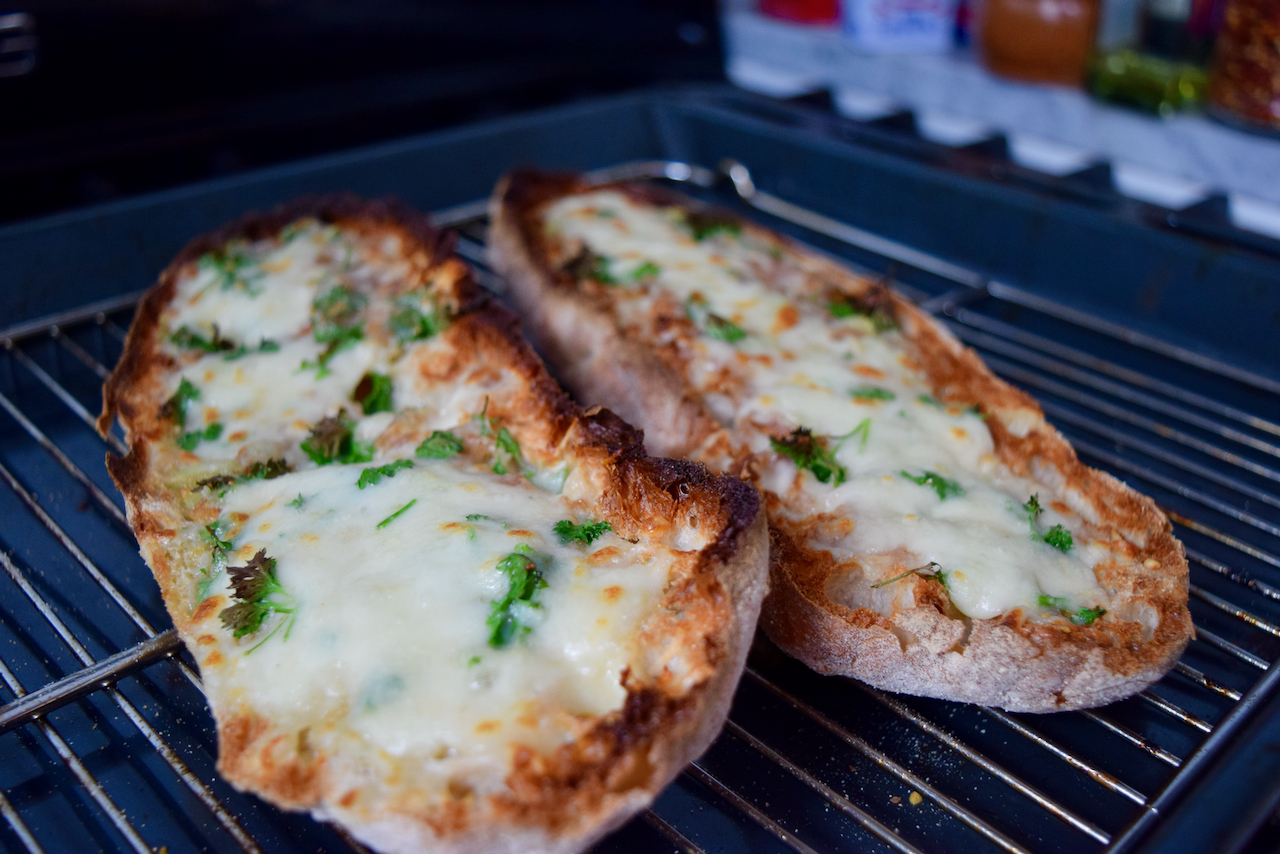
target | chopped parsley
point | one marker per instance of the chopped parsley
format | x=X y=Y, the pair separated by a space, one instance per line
x=870 y=392
x=231 y=267
x=260 y=595
x=475 y=517
x=298 y=502
x=647 y=270
x=440 y=445
x=410 y=323
x=587 y=265
x=187 y=339
x=334 y=317
x=587 y=532
x=1081 y=617
x=945 y=488
x=189 y=441
x=1057 y=536
x=809 y=452
x=219 y=548
x=929 y=570
x=525 y=579
x=266 y=345
x=374 y=476
x=175 y=408
x=396 y=515
x=880 y=316
x=333 y=439
x=699 y=311
x=373 y=393
x=259 y=470
x=504 y=444
x=707 y=224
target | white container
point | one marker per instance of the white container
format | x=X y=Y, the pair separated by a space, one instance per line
x=900 y=26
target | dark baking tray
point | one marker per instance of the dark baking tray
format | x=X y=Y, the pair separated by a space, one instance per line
x=1150 y=346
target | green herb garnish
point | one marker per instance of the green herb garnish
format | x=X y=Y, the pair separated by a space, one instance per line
x=869 y=392
x=1057 y=536
x=374 y=476
x=440 y=445
x=298 y=502
x=699 y=311
x=945 y=488
x=396 y=515
x=588 y=265
x=332 y=439
x=184 y=337
x=707 y=224
x=880 y=315
x=810 y=452
x=264 y=346
x=231 y=267
x=175 y=408
x=410 y=323
x=260 y=595
x=525 y=580
x=189 y=441
x=929 y=570
x=929 y=400
x=587 y=532
x=475 y=517
x=1082 y=617
x=503 y=443
x=647 y=270
x=373 y=393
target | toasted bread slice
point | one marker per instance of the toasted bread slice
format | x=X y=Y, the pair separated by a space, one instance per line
x=931 y=533
x=431 y=599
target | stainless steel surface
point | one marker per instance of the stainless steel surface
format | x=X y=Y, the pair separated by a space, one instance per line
x=1142 y=423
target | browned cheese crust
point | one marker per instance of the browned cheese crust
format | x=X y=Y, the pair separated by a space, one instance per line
x=927 y=647
x=559 y=802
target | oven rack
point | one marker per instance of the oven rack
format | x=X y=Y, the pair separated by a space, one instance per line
x=806 y=763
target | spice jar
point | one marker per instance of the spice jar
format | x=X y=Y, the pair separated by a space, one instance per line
x=1244 y=82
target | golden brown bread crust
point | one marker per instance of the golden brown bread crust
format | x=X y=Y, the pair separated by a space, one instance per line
x=559 y=802
x=928 y=648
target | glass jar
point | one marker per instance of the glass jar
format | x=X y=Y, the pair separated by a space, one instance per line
x=1047 y=41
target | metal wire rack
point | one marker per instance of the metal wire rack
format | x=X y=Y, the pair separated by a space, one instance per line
x=105 y=742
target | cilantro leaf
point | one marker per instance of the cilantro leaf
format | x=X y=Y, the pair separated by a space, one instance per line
x=440 y=445
x=870 y=392
x=340 y=340
x=175 y=408
x=810 y=452
x=298 y=502
x=333 y=439
x=396 y=515
x=410 y=323
x=587 y=532
x=231 y=267
x=876 y=309
x=945 y=488
x=265 y=345
x=1086 y=616
x=374 y=476
x=525 y=579
x=335 y=310
x=187 y=339
x=260 y=595
x=1057 y=536
x=373 y=393
x=189 y=441
x=1082 y=617
x=707 y=224
x=587 y=265
x=699 y=311
x=647 y=270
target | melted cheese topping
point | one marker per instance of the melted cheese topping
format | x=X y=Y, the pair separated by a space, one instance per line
x=380 y=640
x=792 y=364
x=388 y=641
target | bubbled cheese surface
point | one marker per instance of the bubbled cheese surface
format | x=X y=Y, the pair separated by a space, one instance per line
x=797 y=365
